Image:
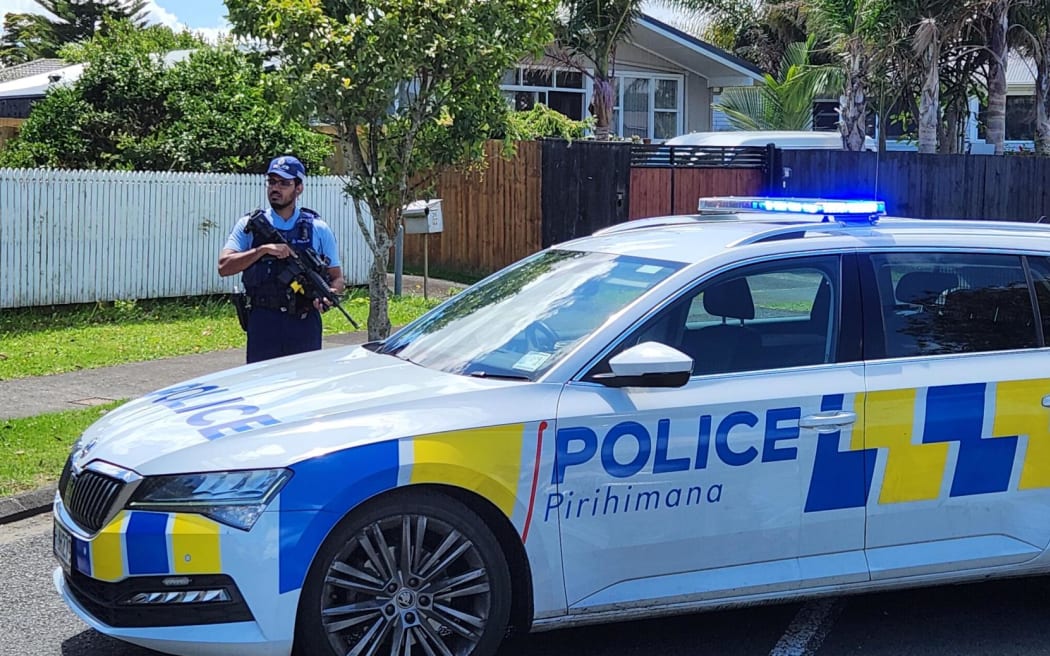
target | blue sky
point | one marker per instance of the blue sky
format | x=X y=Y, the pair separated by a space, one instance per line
x=209 y=16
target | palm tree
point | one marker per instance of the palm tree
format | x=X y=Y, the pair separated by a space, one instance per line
x=785 y=101
x=587 y=33
x=854 y=31
x=1034 y=42
x=33 y=36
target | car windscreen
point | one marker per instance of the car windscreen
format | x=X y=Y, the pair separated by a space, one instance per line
x=521 y=321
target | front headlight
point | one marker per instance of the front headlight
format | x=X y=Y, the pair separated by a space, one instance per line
x=235 y=498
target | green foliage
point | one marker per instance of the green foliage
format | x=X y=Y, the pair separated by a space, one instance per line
x=410 y=86
x=31 y=36
x=542 y=121
x=216 y=111
x=784 y=102
x=152 y=38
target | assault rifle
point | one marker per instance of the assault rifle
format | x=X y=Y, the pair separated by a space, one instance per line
x=304 y=273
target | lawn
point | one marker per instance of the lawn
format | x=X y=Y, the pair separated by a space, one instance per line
x=40 y=341
x=35 y=448
x=54 y=340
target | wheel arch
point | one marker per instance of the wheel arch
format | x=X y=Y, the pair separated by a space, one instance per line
x=521 y=612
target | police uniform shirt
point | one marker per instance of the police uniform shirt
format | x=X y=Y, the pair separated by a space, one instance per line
x=323 y=237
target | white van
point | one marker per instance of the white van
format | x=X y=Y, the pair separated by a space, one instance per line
x=786 y=139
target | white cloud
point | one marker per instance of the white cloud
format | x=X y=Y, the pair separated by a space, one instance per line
x=158 y=14
x=154 y=14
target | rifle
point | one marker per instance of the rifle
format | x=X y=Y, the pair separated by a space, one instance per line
x=303 y=277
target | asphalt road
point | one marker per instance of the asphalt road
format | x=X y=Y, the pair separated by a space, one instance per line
x=1006 y=618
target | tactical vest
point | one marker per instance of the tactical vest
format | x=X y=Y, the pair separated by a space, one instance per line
x=260 y=280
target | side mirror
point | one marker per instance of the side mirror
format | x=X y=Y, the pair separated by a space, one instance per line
x=649 y=364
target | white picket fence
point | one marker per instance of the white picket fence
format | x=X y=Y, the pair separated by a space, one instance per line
x=85 y=236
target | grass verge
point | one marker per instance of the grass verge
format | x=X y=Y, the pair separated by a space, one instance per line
x=41 y=341
x=35 y=448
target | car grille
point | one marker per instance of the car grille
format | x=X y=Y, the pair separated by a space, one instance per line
x=88 y=496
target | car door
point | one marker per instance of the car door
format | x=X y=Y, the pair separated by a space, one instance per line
x=956 y=415
x=741 y=481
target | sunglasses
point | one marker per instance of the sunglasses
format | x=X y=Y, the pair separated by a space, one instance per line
x=280 y=182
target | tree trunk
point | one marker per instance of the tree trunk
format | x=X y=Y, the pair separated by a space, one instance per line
x=378 y=297
x=996 y=121
x=602 y=107
x=853 y=103
x=379 y=242
x=930 y=103
x=952 y=127
x=1042 y=98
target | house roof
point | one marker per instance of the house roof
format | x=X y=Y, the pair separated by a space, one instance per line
x=721 y=68
x=1020 y=71
x=27 y=69
x=36 y=85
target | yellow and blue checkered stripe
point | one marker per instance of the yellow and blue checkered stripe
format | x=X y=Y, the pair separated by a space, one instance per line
x=151 y=544
x=916 y=451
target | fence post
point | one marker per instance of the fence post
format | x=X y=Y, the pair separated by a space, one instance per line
x=773 y=172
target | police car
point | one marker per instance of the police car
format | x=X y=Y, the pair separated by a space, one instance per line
x=770 y=400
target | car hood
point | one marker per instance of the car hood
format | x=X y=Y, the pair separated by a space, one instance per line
x=276 y=413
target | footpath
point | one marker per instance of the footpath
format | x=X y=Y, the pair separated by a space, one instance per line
x=26 y=397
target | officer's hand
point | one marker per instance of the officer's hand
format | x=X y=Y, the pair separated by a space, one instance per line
x=322 y=304
x=279 y=251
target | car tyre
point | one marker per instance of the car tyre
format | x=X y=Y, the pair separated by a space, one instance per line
x=410 y=573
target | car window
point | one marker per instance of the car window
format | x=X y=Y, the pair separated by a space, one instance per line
x=768 y=316
x=938 y=303
x=521 y=321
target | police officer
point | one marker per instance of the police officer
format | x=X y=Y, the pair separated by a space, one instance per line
x=280 y=321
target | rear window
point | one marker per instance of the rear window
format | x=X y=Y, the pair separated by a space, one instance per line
x=939 y=303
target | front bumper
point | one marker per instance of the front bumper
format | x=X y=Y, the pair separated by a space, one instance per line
x=242 y=638
x=142 y=576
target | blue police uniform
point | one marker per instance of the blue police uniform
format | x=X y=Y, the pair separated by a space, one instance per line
x=281 y=322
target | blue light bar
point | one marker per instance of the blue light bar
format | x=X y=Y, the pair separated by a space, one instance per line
x=846 y=209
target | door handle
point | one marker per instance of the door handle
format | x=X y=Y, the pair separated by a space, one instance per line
x=828 y=422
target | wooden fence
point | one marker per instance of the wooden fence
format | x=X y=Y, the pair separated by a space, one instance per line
x=491 y=218
x=1015 y=188
x=554 y=191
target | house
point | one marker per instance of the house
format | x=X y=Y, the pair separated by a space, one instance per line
x=666 y=81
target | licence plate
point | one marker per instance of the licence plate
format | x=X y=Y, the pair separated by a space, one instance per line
x=63 y=546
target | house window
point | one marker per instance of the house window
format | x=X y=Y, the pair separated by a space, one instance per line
x=561 y=90
x=647 y=107
x=1020 y=118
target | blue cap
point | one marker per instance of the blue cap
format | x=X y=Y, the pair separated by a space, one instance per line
x=287 y=167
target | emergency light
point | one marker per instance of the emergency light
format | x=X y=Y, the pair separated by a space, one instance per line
x=843 y=210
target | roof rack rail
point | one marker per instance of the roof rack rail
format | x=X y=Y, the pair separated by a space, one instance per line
x=827 y=227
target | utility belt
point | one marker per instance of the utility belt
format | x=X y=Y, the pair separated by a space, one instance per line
x=279 y=302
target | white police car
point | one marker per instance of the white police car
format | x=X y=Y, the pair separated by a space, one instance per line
x=770 y=400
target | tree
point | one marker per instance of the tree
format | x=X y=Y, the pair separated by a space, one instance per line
x=587 y=33
x=854 y=31
x=130 y=110
x=32 y=36
x=784 y=102
x=1034 y=41
x=410 y=86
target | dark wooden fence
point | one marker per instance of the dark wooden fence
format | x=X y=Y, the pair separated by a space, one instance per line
x=554 y=191
x=585 y=188
x=1015 y=188
x=670 y=179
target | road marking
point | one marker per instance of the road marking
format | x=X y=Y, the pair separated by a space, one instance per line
x=807 y=631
